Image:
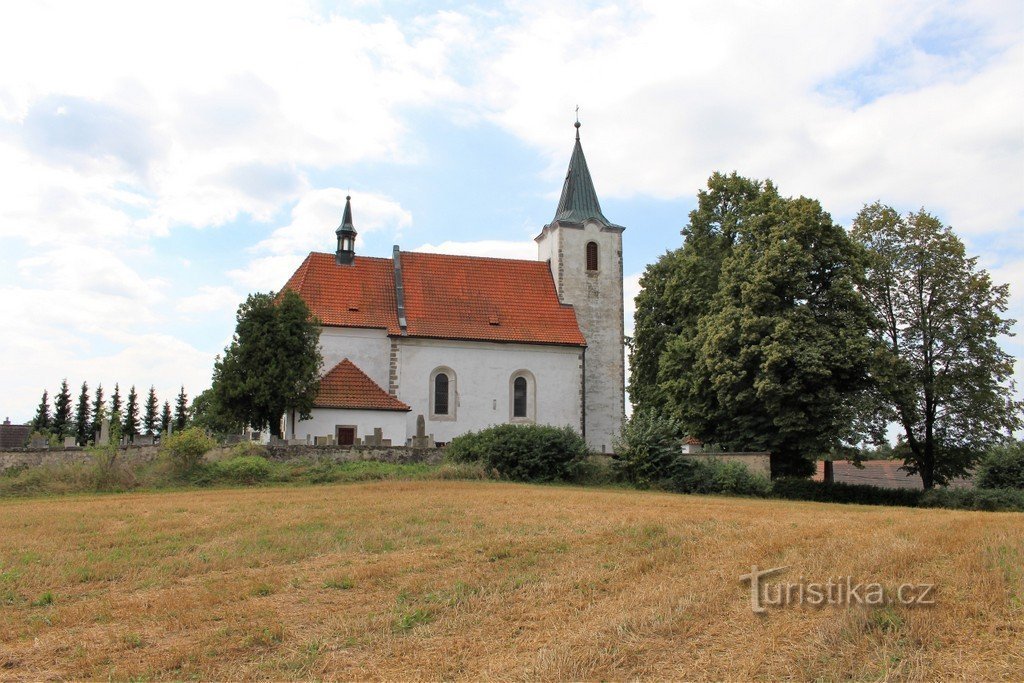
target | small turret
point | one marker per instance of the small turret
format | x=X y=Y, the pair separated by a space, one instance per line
x=346 y=233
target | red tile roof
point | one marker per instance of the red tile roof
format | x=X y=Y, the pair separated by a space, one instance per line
x=346 y=386
x=358 y=295
x=446 y=297
x=466 y=297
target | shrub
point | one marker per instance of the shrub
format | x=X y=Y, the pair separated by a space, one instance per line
x=647 y=449
x=997 y=500
x=523 y=452
x=247 y=448
x=864 y=494
x=247 y=469
x=109 y=473
x=185 y=449
x=1002 y=468
x=711 y=475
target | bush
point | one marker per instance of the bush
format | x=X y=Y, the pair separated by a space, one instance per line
x=711 y=475
x=109 y=473
x=1002 y=468
x=246 y=469
x=185 y=449
x=524 y=452
x=996 y=500
x=864 y=494
x=647 y=449
x=247 y=448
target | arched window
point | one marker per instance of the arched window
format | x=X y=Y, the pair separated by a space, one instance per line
x=591 y=255
x=443 y=394
x=522 y=390
x=519 y=397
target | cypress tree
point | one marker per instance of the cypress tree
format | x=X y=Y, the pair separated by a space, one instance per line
x=115 y=401
x=149 y=421
x=83 y=415
x=62 y=412
x=181 y=411
x=165 y=418
x=131 y=414
x=41 y=422
x=98 y=411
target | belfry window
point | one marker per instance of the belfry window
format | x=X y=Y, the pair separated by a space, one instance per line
x=591 y=255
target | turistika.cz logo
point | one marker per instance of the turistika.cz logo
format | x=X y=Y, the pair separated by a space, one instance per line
x=842 y=591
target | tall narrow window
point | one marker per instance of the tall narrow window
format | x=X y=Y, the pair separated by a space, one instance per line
x=519 y=397
x=591 y=255
x=441 y=394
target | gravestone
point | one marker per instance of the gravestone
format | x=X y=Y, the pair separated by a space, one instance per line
x=39 y=441
x=422 y=440
x=143 y=440
x=70 y=442
x=322 y=441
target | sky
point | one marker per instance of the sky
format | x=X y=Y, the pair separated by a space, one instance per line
x=160 y=161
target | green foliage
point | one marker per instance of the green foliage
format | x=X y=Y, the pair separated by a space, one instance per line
x=152 y=414
x=41 y=422
x=99 y=411
x=185 y=449
x=711 y=475
x=165 y=417
x=109 y=473
x=61 y=425
x=83 y=417
x=647 y=448
x=753 y=333
x=1002 y=467
x=993 y=500
x=246 y=469
x=115 y=401
x=273 y=363
x=181 y=410
x=130 y=424
x=208 y=413
x=863 y=494
x=524 y=452
x=939 y=369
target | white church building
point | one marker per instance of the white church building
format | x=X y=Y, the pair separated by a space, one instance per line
x=471 y=342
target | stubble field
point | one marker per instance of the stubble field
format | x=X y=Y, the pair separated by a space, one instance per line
x=482 y=580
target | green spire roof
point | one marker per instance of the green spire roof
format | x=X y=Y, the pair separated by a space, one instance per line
x=346 y=219
x=578 y=203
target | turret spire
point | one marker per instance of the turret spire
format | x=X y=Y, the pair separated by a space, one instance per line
x=346 y=234
x=579 y=199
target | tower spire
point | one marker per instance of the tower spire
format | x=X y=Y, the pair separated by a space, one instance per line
x=578 y=202
x=346 y=233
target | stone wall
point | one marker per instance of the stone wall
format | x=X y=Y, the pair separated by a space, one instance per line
x=25 y=457
x=757 y=463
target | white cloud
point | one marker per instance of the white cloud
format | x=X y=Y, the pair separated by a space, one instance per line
x=630 y=288
x=209 y=299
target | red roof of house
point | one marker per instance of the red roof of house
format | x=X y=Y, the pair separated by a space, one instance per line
x=446 y=297
x=346 y=386
x=358 y=295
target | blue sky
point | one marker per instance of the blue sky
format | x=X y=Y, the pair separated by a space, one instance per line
x=160 y=161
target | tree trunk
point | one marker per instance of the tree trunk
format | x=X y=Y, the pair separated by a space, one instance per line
x=830 y=476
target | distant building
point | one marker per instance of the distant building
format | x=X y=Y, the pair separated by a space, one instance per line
x=469 y=342
x=13 y=436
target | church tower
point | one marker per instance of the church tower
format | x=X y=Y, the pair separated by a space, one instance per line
x=584 y=250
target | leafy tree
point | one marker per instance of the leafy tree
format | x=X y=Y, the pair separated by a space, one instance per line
x=61 y=426
x=99 y=411
x=115 y=401
x=940 y=371
x=83 y=416
x=757 y=328
x=208 y=414
x=165 y=418
x=131 y=414
x=152 y=414
x=41 y=422
x=273 y=363
x=181 y=411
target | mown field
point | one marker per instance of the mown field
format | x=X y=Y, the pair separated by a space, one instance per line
x=484 y=580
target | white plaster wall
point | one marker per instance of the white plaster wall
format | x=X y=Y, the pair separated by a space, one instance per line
x=368 y=349
x=325 y=420
x=596 y=296
x=482 y=374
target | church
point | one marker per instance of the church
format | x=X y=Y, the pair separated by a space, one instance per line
x=469 y=342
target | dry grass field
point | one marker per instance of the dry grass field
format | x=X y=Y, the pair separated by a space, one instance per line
x=482 y=580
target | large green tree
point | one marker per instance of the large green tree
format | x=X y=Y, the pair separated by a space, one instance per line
x=181 y=410
x=131 y=414
x=272 y=365
x=151 y=417
x=61 y=425
x=754 y=331
x=41 y=422
x=937 y=318
x=99 y=410
x=83 y=416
